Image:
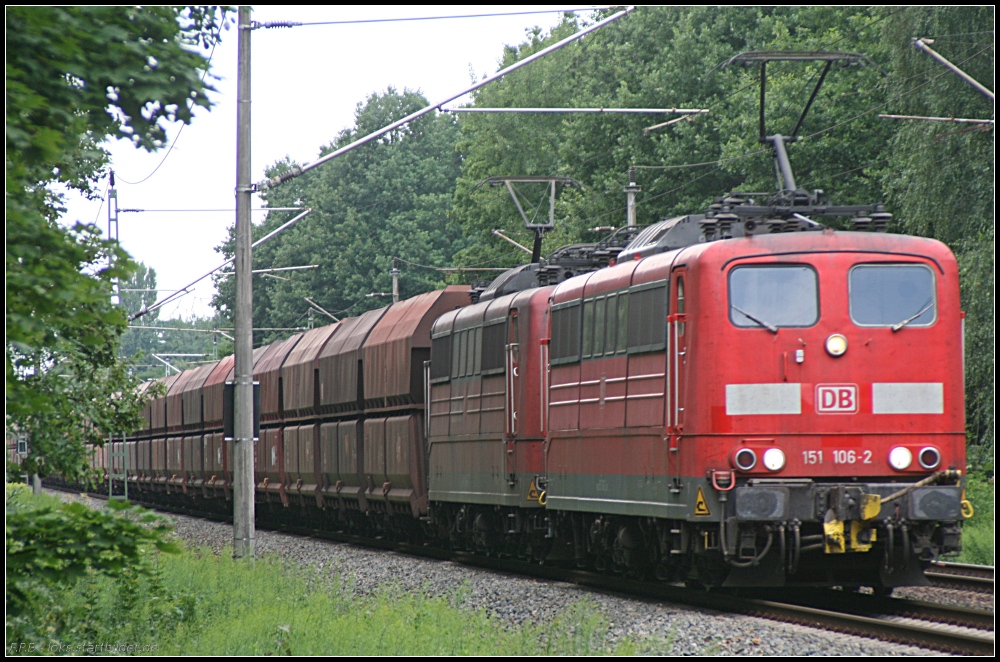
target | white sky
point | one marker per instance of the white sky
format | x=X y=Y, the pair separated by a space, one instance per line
x=306 y=83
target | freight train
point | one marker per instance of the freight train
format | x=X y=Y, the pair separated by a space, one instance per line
x=742 y=397
x=764 y=410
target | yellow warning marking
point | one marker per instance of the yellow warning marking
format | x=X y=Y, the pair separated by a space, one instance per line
x=700 y=505
x=533 y=492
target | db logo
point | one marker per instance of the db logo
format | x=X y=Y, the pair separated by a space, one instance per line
x=837 y=398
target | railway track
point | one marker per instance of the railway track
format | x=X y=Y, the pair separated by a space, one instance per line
x=962 y=576
x=947 y=628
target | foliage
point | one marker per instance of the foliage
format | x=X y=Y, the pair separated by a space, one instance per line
x=76 y=75
x=978 y=539
x=65 y=383
x=940 y=176
x=663 y=57
x=16 y=493
x=389 y=198
x=139 y=293
x=53 y=546
x=175 y=336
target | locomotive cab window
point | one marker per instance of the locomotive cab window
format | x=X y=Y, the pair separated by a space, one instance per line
x=892 y=295
x=773 y=296
x=604 y=325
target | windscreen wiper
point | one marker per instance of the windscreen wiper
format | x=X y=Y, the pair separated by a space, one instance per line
x=900 y=325
x=770 y=327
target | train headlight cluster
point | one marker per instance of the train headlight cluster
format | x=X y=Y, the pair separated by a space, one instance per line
x=836 y=345
x=900 y=458
x=744 y=459
x=929 y=458
x=774 y=459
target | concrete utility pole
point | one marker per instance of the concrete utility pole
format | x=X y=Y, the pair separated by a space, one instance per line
x=243 y=484
x=630 y=191
x=395 y=281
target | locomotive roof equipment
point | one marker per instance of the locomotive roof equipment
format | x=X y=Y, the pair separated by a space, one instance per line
x=790 y=208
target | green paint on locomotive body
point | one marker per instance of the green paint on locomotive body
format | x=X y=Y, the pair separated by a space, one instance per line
x=640 y=496
x=475 y=471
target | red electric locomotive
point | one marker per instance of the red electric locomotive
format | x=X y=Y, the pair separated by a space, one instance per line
x=757 y=407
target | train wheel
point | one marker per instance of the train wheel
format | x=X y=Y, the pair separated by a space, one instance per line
x=882 y=591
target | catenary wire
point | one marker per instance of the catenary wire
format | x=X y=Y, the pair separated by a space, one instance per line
x=901 y=95
x=830 y=128
x=473 y=266
x=959 y=34
x=103 y=198
x=295 y=24
x=208 y=65
x=605 y=193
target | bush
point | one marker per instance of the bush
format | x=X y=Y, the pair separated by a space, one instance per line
x=55 y=547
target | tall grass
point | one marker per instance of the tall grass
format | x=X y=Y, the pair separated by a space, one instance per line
x=202 y=604
x=270 y=607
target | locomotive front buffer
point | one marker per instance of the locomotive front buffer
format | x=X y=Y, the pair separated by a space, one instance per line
x=918 y=521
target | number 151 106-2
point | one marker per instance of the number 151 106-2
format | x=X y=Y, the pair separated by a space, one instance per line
x=838 y=456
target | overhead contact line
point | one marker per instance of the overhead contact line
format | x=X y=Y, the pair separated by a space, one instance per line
x=268 y=25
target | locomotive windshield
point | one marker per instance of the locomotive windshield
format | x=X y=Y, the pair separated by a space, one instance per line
x=773 y=296
x=893 y=295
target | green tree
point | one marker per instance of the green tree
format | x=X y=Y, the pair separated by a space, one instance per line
x=389 y=198
x=663 y=57
x=940 y=177
x=75 y=76
x=138 y=292
x=171 y=336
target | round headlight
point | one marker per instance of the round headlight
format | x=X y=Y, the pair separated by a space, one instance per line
x=836 y=345
x=900 y=458
x=744 y=459
x=774 y=459
x=929 y=458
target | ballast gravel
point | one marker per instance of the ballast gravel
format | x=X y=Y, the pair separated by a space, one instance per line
x=669 y=629
x=946 y=596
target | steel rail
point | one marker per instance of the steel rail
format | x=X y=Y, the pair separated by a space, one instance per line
x=961 y=576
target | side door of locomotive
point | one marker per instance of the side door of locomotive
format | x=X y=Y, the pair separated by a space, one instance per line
x=513 y=392
x=678 y=333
